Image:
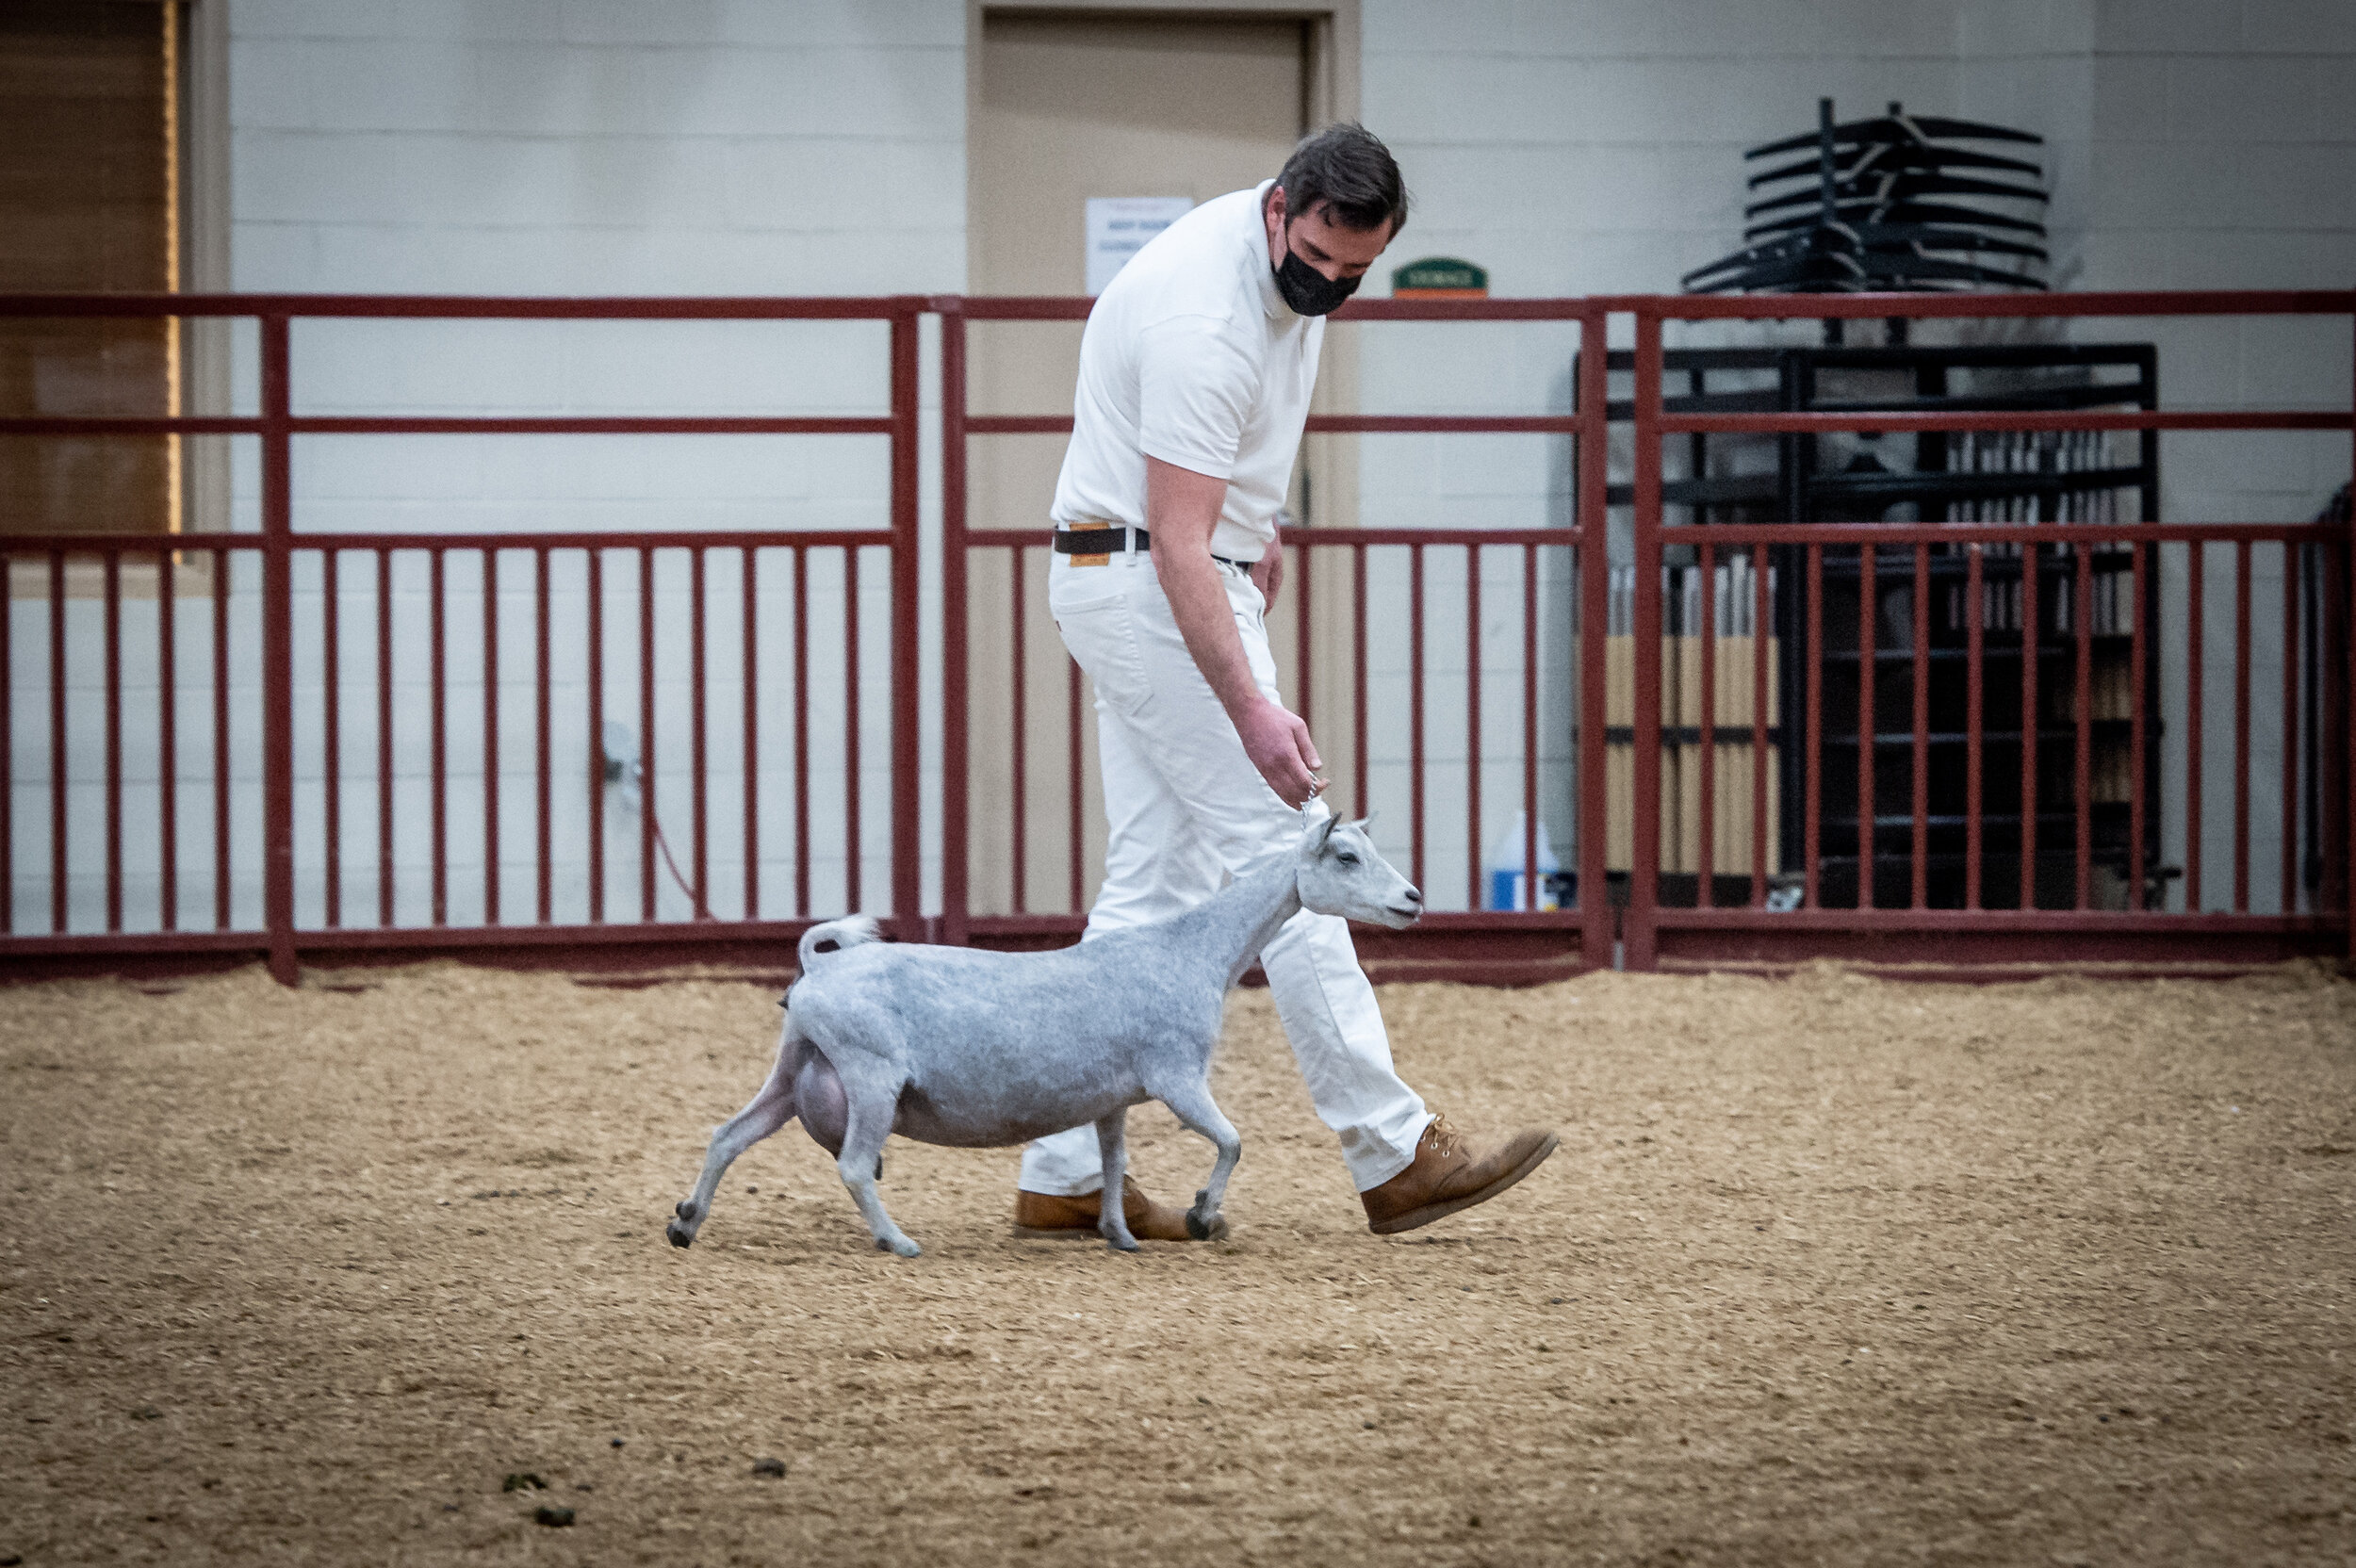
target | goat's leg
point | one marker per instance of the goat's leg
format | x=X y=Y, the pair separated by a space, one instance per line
x=1112 y=1223
x=1192 y=1104
x=874 y=1104
x=769 y=1110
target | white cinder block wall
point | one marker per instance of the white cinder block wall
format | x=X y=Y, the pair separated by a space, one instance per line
x=766 y=146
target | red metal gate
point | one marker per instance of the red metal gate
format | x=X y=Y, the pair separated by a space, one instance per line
x=619 y=571
x=1979 y=933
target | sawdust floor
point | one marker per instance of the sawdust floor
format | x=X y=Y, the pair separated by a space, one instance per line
x=1827 y=1270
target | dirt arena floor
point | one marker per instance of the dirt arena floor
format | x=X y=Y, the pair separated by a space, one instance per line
x=1827 y=1270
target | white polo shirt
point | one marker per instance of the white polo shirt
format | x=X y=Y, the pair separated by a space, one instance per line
x=1192 y=356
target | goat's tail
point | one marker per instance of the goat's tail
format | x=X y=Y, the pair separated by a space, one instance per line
x=834 y=934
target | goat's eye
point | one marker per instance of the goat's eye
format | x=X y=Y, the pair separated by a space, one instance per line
x=1347 y=859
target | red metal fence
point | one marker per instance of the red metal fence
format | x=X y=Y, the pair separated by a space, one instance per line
x=748 y=618
x=2061 y=558
x=618 y=595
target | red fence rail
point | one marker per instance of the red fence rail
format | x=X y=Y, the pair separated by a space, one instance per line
x=247 y=593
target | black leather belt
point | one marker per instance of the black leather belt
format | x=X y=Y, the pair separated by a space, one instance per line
x=1111 y=541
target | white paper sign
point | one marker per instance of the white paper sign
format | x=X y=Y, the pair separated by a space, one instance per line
x=1118 y=226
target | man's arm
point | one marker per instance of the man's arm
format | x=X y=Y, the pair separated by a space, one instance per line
x=1181 y=509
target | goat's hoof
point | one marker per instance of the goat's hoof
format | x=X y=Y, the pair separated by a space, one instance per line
x=681 y=1235
x=903 y=1248
x=1121 y=1244
x=1202 y=1227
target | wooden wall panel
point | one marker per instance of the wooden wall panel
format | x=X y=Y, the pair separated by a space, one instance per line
x=87 y=202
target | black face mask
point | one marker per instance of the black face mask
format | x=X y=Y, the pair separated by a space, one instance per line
x=1309 y=292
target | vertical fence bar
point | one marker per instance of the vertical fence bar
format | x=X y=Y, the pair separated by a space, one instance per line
x=438 y=705
x=332 y=740
x=2333 y=738
x=1358 y=673
x=698 y=788
x=167 y=740
x=1075 y=862
x=1974 y=719
x=277 y=407
x=907 y=756
x=956 y=763
x=1761 y=644
x=543 y=847
x=851 y=836
x=490 y=737
x=1415 y=712
x=647 y=819
x=1705 y=804
x=1018 y=769
x=595 y=563
x=1473 y=856
x=1303 y=642
x=1813 y=749
x=2081 y=710
x=752 y=737
x=1868 y=713
x=58 y=911
x=801 y=731
x=2241 y=726
x=1529 y=746
x=2290 y=729
x=1919 y=895
x=1594 y=624
x=221 y=907
x=112 y=580
x=7 y=754
x=1643 y=890
x=385 y=737
x=2031 y=566
x=2196 y=618
x=2136 y=863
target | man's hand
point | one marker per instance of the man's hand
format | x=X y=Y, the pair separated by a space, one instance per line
x=1279 y=745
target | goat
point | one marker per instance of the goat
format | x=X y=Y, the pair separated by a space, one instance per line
x=978 y=1050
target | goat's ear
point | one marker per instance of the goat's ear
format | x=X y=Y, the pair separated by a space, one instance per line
x=1365 y=825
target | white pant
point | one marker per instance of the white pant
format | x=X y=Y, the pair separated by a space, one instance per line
x=1188 y=810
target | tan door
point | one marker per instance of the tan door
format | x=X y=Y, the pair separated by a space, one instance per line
x=1070 y=108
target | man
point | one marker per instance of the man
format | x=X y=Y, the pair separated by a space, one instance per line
x=1195 y=375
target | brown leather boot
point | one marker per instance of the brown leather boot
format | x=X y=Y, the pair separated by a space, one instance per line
x=1447 y=1176
x=1051 y=1214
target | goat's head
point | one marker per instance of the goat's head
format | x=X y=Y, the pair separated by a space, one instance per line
x=1343 y=873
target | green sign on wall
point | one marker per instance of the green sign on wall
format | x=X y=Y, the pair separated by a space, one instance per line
x=1443 y=276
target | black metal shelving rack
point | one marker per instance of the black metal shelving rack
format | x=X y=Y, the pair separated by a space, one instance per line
x=1800 y=488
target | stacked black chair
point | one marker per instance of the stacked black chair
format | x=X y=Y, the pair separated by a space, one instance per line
x=1891 y=205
